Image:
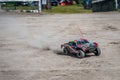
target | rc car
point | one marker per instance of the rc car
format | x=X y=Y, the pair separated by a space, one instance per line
x=81 y=48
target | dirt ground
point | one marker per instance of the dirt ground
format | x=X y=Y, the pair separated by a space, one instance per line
x=29 y=46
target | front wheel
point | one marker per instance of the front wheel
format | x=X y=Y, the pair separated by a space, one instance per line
x=80 y=54
x=97 y=51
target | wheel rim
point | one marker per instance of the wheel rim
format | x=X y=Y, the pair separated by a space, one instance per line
x=98 y=52
x=65 y=51
x=79 y=55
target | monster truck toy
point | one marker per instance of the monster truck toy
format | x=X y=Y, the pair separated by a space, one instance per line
x=81 y=47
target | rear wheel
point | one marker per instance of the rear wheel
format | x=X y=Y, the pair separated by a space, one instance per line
x=80 y=54
x=65 y=51
x=97 y=51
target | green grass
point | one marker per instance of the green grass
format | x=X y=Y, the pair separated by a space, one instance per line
x=10 y=6
x=25 y=8
x=67 y=9
x=55 y=9
x=19 y=8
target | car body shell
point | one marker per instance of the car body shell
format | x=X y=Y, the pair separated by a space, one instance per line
x=88 y=47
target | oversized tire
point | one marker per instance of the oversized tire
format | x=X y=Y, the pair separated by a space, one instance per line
x=97 y=51
x=80 y=54
x=65 y=51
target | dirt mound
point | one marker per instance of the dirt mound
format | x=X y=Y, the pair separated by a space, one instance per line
x=111 y=28
x=58 y=52
x=46 y=48
x=114 y=42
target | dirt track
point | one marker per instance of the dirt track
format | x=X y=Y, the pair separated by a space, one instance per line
x=29 y=45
